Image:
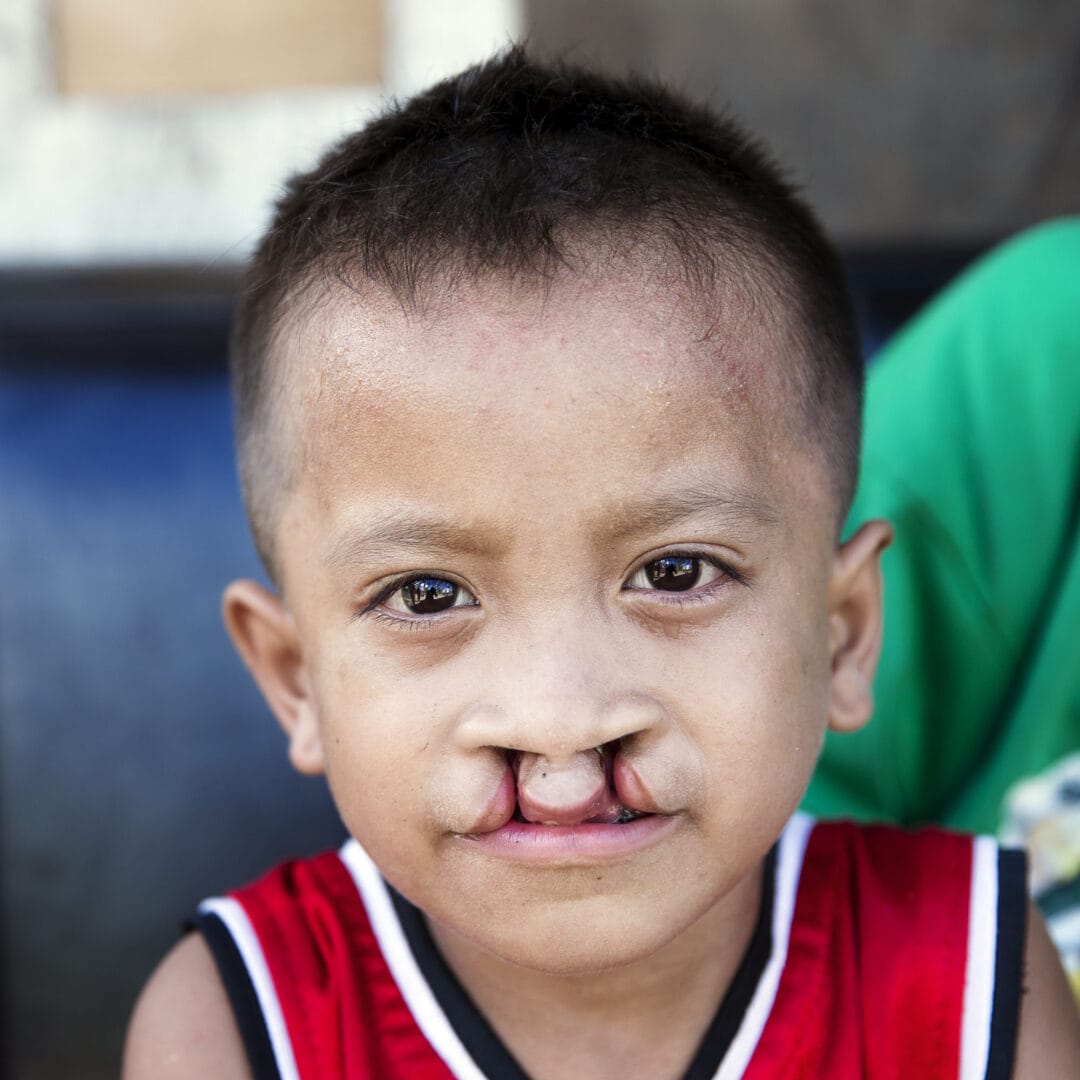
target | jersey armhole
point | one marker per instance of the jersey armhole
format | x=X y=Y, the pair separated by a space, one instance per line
x=241 y=993
x=1008 y=963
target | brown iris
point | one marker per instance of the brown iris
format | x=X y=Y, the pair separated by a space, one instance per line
x=674 y=573
x=428 y=595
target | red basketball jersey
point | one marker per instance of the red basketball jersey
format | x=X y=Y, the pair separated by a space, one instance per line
x=877 y=953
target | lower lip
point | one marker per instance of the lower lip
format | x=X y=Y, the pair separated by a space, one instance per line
x=571 y=844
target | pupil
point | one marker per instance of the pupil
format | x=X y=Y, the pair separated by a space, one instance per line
x=426 y=596
x=674 y=573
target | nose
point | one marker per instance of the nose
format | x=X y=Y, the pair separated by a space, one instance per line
x=564 y=763
x=559 y=714
x=556 y=718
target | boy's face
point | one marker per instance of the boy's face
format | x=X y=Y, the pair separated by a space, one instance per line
x=524 y=527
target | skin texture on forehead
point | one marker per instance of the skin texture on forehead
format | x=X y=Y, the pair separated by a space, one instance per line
x=343 y=353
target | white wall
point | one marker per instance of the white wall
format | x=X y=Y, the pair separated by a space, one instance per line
x=92 y=181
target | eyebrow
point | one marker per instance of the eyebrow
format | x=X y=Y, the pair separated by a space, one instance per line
x=408 y=530
x=400 y=531
x=709 y=499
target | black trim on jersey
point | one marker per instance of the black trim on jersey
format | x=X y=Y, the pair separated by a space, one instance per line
x=245 y=1002
x=1008 y=963
x=729 y=1016
x=492 y=1057
x=468 y=1022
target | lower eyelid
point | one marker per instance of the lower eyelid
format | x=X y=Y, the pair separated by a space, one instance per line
x=418 y=622
x=700 y=595
x=403 y=622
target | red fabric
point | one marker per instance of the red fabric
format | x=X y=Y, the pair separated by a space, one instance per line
x=345 y=1015
x=873 y=986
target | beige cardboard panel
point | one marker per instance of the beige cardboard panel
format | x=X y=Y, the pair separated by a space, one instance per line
x=140 y=48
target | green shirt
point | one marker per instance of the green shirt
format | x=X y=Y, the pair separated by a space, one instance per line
x=972 y=450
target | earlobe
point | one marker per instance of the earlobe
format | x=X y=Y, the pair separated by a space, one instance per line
x=265 y=636
x=855 y=624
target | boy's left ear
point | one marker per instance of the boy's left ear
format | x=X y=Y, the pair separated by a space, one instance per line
x=855 y=623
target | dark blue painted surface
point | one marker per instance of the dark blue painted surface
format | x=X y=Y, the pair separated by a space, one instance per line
x=140 y=768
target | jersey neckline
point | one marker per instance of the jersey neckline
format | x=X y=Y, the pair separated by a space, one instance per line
x=471 y=1049
x=494 y=1059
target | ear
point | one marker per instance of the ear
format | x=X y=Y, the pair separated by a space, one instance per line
x=855 y=617
x=264 y=633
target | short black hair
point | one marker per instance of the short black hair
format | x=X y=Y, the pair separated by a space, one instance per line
x=516 y=168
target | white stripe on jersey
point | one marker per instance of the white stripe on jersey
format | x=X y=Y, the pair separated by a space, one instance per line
x=789 y=862
x=414 y=988
x=232 y=914
x=981 y=958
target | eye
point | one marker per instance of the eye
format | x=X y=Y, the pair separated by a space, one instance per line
x=426 y=595
x=675 y=573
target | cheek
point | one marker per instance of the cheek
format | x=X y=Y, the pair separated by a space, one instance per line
x=767 y=700
x=391 y=761
x=375 y=732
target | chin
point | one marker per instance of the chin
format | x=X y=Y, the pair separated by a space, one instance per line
x=577 y=954
x=578 y=936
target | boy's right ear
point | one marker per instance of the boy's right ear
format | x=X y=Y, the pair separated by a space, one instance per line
x=264 y=633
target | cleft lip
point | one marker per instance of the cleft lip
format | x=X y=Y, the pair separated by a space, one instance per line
x=581 y=790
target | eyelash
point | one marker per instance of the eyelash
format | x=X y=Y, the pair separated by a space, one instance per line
x=409 y=623
x=374 y=607
x=691 y=597
x=697 y=595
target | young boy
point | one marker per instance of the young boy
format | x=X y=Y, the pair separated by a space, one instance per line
x=548 y=404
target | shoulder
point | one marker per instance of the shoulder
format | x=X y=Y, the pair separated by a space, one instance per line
x=1005 y=968
x=963 y=896
x=929 y=864
x=183 y=1023
x=1048 y=1041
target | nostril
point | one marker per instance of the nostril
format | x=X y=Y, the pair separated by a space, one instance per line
x=607 y=754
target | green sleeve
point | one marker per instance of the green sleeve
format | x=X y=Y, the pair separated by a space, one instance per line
x=972 y=450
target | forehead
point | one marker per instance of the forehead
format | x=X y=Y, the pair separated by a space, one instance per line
x=616 y=377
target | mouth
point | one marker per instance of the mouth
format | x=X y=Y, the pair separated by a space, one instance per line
x=568 y=813
x=587 y=844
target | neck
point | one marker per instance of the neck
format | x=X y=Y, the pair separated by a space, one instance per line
x=645 y=1018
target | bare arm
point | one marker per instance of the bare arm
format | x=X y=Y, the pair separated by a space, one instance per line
x=183 y=1023
x=1048 y=1042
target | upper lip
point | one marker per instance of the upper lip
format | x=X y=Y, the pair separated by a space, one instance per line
x=621 y=795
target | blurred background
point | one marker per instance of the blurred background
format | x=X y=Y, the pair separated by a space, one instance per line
x=143 y=143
